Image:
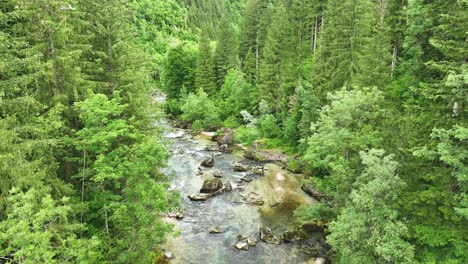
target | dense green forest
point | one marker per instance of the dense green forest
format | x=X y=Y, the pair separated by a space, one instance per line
x=368 y=97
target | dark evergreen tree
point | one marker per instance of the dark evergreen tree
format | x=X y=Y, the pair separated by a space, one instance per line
x=205 y=75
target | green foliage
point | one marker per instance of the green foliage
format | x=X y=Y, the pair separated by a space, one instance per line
x=368 y=229
x=198 y=107
x=235 y=95
x=343 y=129
x=268 y=127
x=41 y=229
x=246 y=135
x=318 y=213
x=205 y=74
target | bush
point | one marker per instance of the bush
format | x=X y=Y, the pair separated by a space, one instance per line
x=197 y=126
x=268 y=126
x=246 y=135
x=198 y=107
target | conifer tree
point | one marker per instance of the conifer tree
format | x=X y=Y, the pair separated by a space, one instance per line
x=205 y=77
x=348 y=27
x=225 y=56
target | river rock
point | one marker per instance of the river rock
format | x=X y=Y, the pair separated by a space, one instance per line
x=246 y=179
x=208 y=162
x=290 y=236
x=207 y=135
x=215 y=230
x=240 y=167
x=224 y=148
x=242 y=245
x=217 y=174
x=267 y=236
x=307 y=188
x=199 y=196
x=258 y=170
x=168 y=255
x=256 y=201
x=252 y=242
x=228 y=186
x=266 y=155
x=211 y=186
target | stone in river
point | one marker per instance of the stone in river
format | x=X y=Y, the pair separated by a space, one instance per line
x=241 y=168
x=216 y=230
x=199 y=196
x=267 y=236
x=208 y=162
x=217 y=174
x=242 y=245
x=211 y=185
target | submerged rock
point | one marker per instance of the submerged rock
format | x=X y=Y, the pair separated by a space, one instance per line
x=199 y=196
x=211 y=186
x=208 y=162
x=255 y=201
x=240 y=167
x=267 y=236
x=290 y=236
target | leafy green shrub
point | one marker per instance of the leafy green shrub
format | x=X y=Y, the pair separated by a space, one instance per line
x=268 y=126
x=231 y=122
x=197 y=126
x=198 y=107
x=317 y=213
x=246 y=135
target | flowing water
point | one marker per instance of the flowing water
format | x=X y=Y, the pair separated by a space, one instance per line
x=279 y=189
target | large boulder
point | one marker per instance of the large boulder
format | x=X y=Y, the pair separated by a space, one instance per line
x=267 y=236
x=208 y=162
x=211 y=186
x=226 y=137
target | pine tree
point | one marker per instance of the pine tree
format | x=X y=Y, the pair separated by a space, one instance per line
x=277 y=78
x=256 y=20
x=347 y=29
x=205 y=77
x=225 y=57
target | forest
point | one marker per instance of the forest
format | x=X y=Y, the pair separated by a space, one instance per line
x=367 y=99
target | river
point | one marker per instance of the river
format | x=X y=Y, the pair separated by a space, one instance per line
x=279 y=189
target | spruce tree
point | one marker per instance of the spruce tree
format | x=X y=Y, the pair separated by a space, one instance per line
x=225 y=56
x=347 y=29
x=205 y=77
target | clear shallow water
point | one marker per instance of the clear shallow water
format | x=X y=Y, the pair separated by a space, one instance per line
x=195 y=244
